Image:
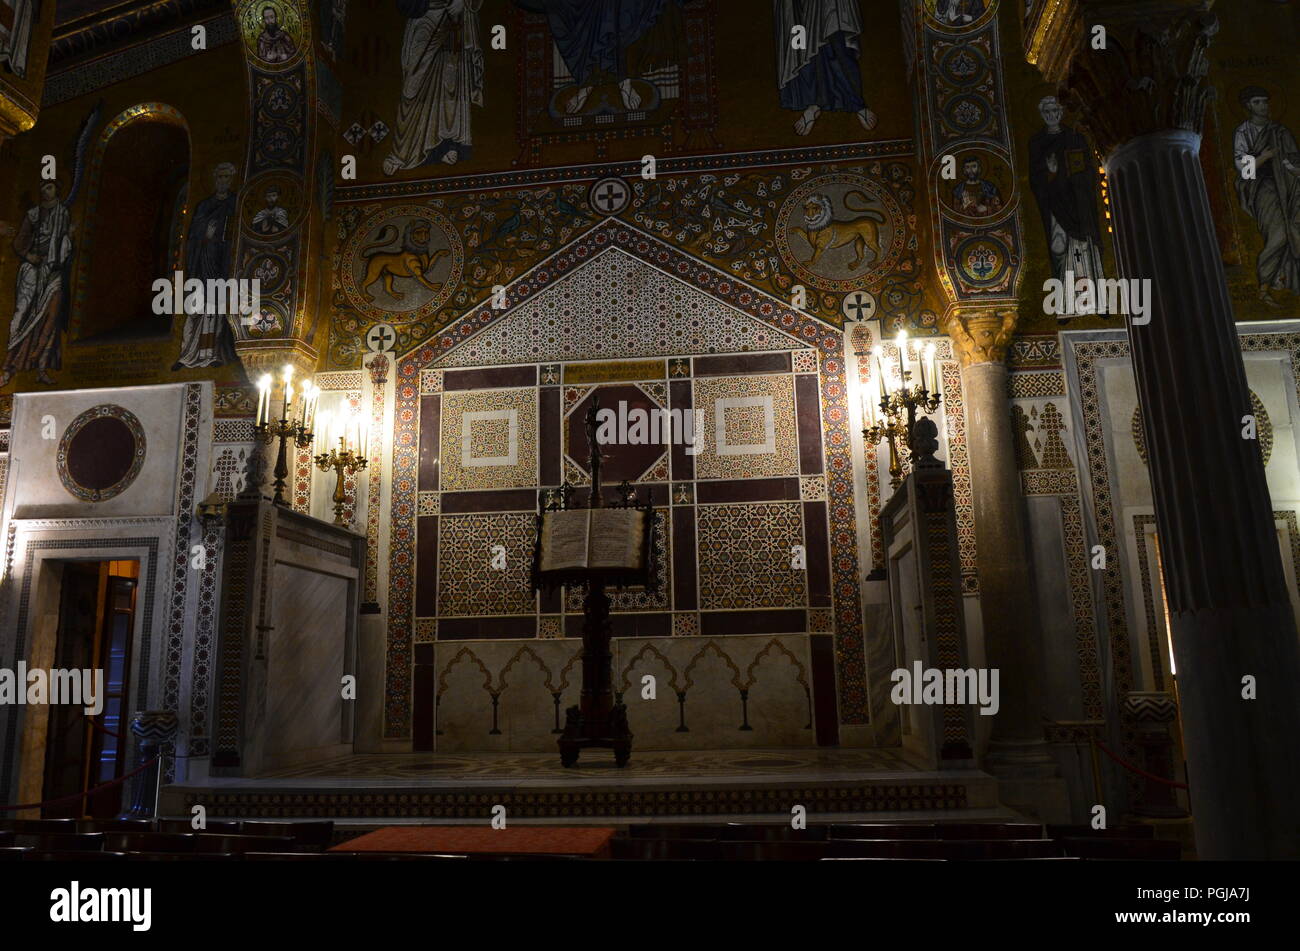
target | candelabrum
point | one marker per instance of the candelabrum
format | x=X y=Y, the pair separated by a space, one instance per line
x=344 y=461
x=294 y=425
x=895 y=418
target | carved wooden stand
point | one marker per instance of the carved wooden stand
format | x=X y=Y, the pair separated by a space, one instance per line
x=597 y=720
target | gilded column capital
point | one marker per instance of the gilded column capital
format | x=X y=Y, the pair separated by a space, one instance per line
x=980 y=335
x=270 y=355
x=1127 y=67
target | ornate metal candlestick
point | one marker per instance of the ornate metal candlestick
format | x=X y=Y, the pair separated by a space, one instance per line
x=288 y=428
x=906 y=401
x=344 y=461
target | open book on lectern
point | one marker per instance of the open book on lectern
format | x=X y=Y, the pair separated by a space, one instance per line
x=610 y=539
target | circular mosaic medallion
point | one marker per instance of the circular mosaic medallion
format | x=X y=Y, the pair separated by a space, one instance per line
x=959 y=15
x=402 y=263
x=984 y=189
x=840 y=232
x=609 y=196
x=100 y=453
x=273 y=32
x=983 y=260
x=1263 y=429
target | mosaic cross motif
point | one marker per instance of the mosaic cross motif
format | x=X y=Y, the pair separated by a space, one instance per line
x=609 y=196
x=380 y=338
x=859 y=305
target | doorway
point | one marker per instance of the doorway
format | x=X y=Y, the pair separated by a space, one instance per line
x=97 y=603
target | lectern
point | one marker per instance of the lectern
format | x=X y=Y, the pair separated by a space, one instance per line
x=594 y=547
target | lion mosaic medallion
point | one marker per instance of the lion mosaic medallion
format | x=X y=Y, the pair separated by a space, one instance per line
x=840 y=232
x=402 y=264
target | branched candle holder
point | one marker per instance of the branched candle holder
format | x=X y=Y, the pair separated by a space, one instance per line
x=344 y=461
x=898 y=409
x=291 y=427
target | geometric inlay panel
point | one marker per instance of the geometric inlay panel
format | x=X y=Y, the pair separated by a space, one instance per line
x=489 y=439
x=749 y=427
x=618 y=308
x=745 y=553
x=468 y=585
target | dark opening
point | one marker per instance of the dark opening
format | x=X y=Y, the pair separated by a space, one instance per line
x=139 y=220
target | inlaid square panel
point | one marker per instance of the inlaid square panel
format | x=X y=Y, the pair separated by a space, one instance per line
x=489 y=439
x=749 y=427
x=746 y=553
x=468 y=548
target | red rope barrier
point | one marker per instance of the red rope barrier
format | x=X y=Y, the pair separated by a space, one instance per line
x=106 y=732
x=1141 y=772
x=89 y=792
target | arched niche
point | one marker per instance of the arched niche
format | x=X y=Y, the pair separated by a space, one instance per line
x=134 y=225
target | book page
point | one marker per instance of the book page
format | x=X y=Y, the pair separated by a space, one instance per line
x=564 y=540
x=617 y=536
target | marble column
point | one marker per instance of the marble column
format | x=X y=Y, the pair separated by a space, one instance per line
x=1018 y=753
x=1143 y=100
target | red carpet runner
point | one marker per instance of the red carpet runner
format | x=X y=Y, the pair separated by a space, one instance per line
x=469 y=840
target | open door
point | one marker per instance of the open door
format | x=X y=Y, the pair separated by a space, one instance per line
x=96 y=619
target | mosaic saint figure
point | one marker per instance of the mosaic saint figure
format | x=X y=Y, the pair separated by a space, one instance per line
x=274 y=218
x=16 y=33
x=1272 y=195
x=958 y=12
x=823 y=73
x=442 y=74
x=274 y=45
x=975 y=195
x=1063 y=176
x=209 y=252
x=44 y=248
x=607 y=41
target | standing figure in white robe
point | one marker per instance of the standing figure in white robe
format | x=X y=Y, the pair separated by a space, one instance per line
x=1268 y=186
x=820 y=71
x=44 y=247
x=207 y=339
x=442 y=74
x=15 y=40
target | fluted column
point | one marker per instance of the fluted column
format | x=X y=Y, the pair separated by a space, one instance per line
x=1230 y=616
x=1018 y=753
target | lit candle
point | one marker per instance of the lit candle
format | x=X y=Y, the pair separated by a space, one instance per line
x=934 y=371
x=902 y=357
x=263 y=398
x=879 y=353
x=921 y=356
x=287 y=403
x=309 y=406
x=323 y=430
x=867 y=418
x=929 y=360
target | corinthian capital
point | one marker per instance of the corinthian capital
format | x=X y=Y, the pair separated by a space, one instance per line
x=980 y=335
x=1127 y=67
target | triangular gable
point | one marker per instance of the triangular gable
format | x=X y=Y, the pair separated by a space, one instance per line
x=616 y=293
